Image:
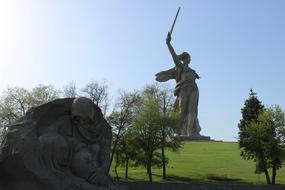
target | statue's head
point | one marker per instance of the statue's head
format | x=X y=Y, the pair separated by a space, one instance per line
x=83 y=108
x=185 y=57
x=86 y=115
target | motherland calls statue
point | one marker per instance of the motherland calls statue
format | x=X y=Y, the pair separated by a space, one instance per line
x=186 y=89
x=62 y=145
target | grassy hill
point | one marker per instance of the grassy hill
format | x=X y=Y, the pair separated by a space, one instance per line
x=207 y=162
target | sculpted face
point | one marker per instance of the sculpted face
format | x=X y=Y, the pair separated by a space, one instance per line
x=84 y=116
x=185 y=58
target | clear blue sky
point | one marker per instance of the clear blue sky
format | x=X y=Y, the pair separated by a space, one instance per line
x=235 y=45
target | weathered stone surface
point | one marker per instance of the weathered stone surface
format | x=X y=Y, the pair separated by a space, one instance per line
x=61 y=145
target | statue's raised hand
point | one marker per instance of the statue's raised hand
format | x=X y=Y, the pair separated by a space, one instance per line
x=168 y=38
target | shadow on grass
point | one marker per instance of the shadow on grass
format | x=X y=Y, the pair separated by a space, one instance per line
x=169 y=179
x=208 y=179
x=129 y=179
x=215 y=177
x=181 y=179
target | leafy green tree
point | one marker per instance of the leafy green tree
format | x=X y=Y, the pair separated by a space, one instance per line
x=250 y=112
x=16 y=101
x=147 y=132
x=164 y=97
x=121 y=119
x=42 y=94
x=13 y=105
x=265 y=143
x=126 y=152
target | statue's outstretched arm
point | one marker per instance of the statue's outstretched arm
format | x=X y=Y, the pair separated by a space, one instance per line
x=172 y=51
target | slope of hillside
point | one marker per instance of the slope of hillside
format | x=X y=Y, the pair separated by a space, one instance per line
x=205 y=162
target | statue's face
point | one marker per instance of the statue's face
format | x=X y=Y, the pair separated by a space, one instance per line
x=185 y=60
x=87 y=128
x=83 y=109
x=87 y=117
x=84 y=122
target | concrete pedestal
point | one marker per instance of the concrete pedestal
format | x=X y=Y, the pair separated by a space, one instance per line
x=195 y=138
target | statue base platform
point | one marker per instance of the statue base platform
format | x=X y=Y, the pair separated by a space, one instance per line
x=194 y=138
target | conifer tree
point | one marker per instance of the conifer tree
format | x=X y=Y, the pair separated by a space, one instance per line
x=252 y=108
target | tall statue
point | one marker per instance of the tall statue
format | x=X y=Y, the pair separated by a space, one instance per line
x=186 y=89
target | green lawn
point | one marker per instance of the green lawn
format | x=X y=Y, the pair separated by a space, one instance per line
x=205 y=162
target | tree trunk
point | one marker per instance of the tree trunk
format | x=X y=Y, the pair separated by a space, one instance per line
x=114 y=147
x=267 y=176
x=264 y=167
x=163 y=155
x=149 y=168
x=163 y=143
x=127 y=168
x=149 y=174
x=117 y=176
x=273 y=175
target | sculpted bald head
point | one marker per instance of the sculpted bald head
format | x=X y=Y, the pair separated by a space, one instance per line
x=87 y=117
x=83 y=107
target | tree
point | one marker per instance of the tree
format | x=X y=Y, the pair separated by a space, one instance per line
x=42 y=94
x=122 y=118
x=165 y=100
x=278 y=152
x=250 y=112
x=264 y=142
x=252 y=108
x=126 y=151
x=147 y=132
x=16 y=101
x=148 y=137
x=98 y=93
x=13 y=105
x=70 y=90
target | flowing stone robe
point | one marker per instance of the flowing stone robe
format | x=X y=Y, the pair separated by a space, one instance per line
x=187 y=93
